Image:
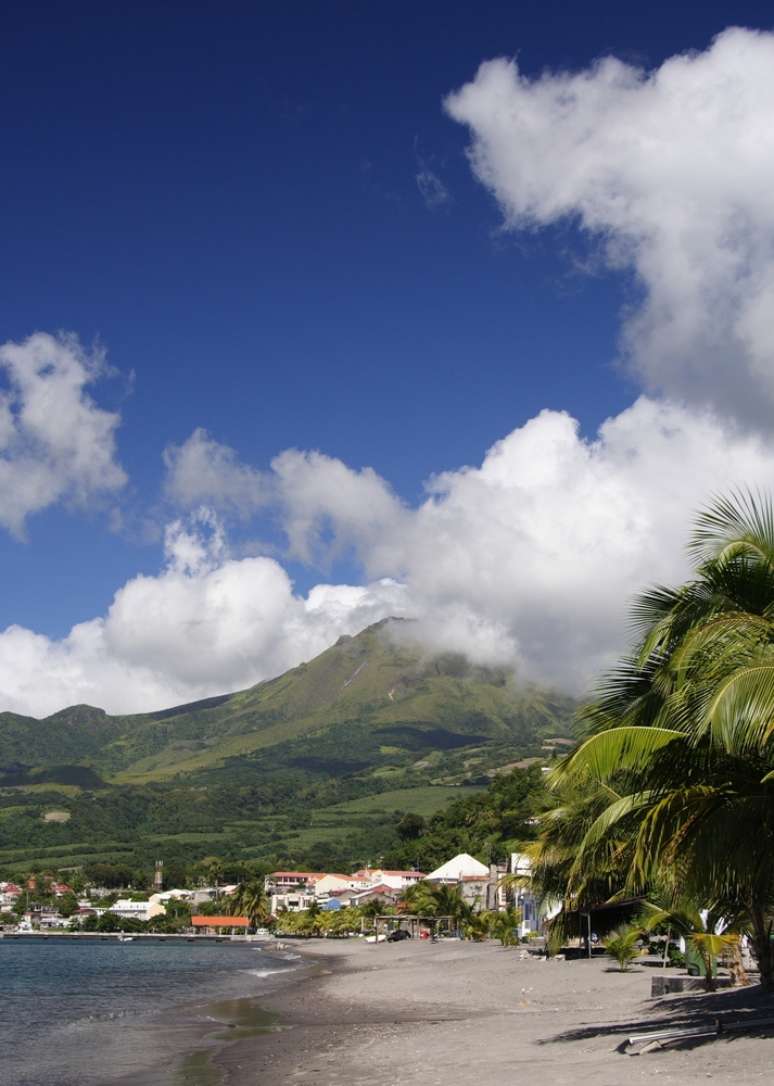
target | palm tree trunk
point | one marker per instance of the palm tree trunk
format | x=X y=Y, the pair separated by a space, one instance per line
x=763 y=947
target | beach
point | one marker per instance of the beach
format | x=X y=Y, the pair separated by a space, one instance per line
x=456 y=1013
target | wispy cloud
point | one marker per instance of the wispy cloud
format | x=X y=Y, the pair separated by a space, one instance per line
x=432 y=190
x=431 y=187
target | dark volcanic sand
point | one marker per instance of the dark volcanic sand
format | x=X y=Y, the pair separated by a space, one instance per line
x=454 y=1014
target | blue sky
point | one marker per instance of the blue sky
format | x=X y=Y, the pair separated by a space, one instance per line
x=271 y=224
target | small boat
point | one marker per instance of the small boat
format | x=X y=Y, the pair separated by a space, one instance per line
x=125 y=938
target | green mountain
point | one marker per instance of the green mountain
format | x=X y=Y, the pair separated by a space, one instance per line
x=372 y=726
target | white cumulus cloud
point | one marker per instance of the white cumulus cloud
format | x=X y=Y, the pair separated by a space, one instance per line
x=672 y=170
x=206 y=624
x=56 y=444
x=203 y=470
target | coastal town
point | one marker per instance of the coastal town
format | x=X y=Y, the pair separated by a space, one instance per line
x=335 y=902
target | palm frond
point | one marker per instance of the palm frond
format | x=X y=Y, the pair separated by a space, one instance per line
x=742 y=524
x=602 y=756
x=741 y=711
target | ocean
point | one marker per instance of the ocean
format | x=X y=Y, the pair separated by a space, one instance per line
x=93 y=1013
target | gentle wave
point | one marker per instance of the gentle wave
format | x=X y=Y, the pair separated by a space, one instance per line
x=265 y=972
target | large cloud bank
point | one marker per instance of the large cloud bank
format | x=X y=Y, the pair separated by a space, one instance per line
x=673 y=171
x=531 y=557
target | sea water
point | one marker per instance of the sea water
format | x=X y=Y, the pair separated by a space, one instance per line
x=76 y=1012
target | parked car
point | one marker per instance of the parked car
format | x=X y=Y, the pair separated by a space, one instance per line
x=398 y=936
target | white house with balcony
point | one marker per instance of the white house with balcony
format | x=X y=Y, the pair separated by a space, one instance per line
x=293 y=901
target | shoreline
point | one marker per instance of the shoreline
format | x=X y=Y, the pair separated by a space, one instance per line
x=450 y=1013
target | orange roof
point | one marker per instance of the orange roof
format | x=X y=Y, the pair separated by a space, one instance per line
x=220 y=922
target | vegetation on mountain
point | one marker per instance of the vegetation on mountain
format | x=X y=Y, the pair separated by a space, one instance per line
x=488 y=824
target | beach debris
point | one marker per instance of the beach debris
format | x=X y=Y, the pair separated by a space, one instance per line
x=655 y=1040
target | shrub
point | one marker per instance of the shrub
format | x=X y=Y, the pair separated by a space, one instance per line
x=623 y=945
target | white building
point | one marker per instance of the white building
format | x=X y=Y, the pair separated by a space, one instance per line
x=333 y=883
x=41 y=919
x=294 y=901
x=476 y=882
x=137 y=910
x=200 y=896
x=279 y=882
x=460 y=867
x=534 y=912
x=397 y=880
x=9 y=894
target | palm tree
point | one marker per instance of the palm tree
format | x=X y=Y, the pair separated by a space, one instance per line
x=681 y=734
x=438 y=899
x=249 y=899
x=707 y=932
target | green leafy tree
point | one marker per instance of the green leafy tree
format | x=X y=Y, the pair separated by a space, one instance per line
x=67 y=904
x=410 y=827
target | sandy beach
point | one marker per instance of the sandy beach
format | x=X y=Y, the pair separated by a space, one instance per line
x=423 y=1014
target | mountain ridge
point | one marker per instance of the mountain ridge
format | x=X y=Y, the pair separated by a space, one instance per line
x=371 y=714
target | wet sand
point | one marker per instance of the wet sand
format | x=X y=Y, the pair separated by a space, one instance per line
x=424 y=1014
